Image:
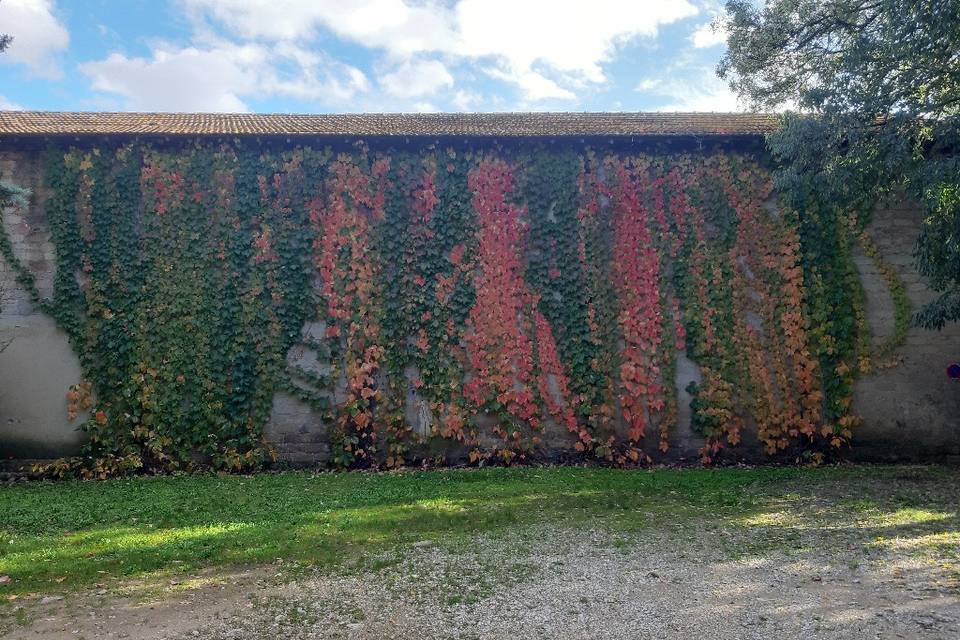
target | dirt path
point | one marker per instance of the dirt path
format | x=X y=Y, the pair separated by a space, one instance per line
x=544 y=583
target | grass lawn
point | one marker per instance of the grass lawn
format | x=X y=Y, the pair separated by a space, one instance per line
x=58 y=537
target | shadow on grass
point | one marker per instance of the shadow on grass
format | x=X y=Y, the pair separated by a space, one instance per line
x=71 y=534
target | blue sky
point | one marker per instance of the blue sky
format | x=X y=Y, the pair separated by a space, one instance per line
x=315 y=56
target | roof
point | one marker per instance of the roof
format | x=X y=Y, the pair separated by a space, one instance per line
x=43 y=123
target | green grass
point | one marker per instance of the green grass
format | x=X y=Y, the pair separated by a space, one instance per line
x=55 y=537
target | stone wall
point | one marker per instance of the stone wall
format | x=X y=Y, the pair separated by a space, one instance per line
x=293 y=425
x=910 y=411
x=37 y=364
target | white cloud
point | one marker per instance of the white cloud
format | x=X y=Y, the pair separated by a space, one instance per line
x=415 y=78
x=552 y=51
x=535 y=86
x=704 y=93
x=709 y=34
x=218 y=77
x=313 y=75
x=178 y=80
x=545 y=47
x=648 y=84
x=6 y=105
x=570 y=36
x=464 y=100
x=37 y=36
x=387 y=24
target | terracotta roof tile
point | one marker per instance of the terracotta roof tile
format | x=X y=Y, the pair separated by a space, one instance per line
x=41 y=123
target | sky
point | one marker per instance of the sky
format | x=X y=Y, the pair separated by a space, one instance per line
x=322 y=56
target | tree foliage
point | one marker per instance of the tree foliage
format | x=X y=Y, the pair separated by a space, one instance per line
x=882 y=80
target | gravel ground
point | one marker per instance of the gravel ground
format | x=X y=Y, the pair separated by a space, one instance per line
x=587 y=585
x=544 y=583
x=815 y=562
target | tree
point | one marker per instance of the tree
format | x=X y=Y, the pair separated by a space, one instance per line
x=877 y=85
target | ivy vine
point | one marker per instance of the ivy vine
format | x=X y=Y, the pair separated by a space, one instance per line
x=509 y=299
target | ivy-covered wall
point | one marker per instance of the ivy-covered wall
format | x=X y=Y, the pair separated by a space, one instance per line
x=448 y=303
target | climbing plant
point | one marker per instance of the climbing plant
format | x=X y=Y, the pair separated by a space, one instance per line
x=494 y=301
x=14 y=196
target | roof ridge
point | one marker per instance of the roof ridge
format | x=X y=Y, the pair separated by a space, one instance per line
x=505 y=124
